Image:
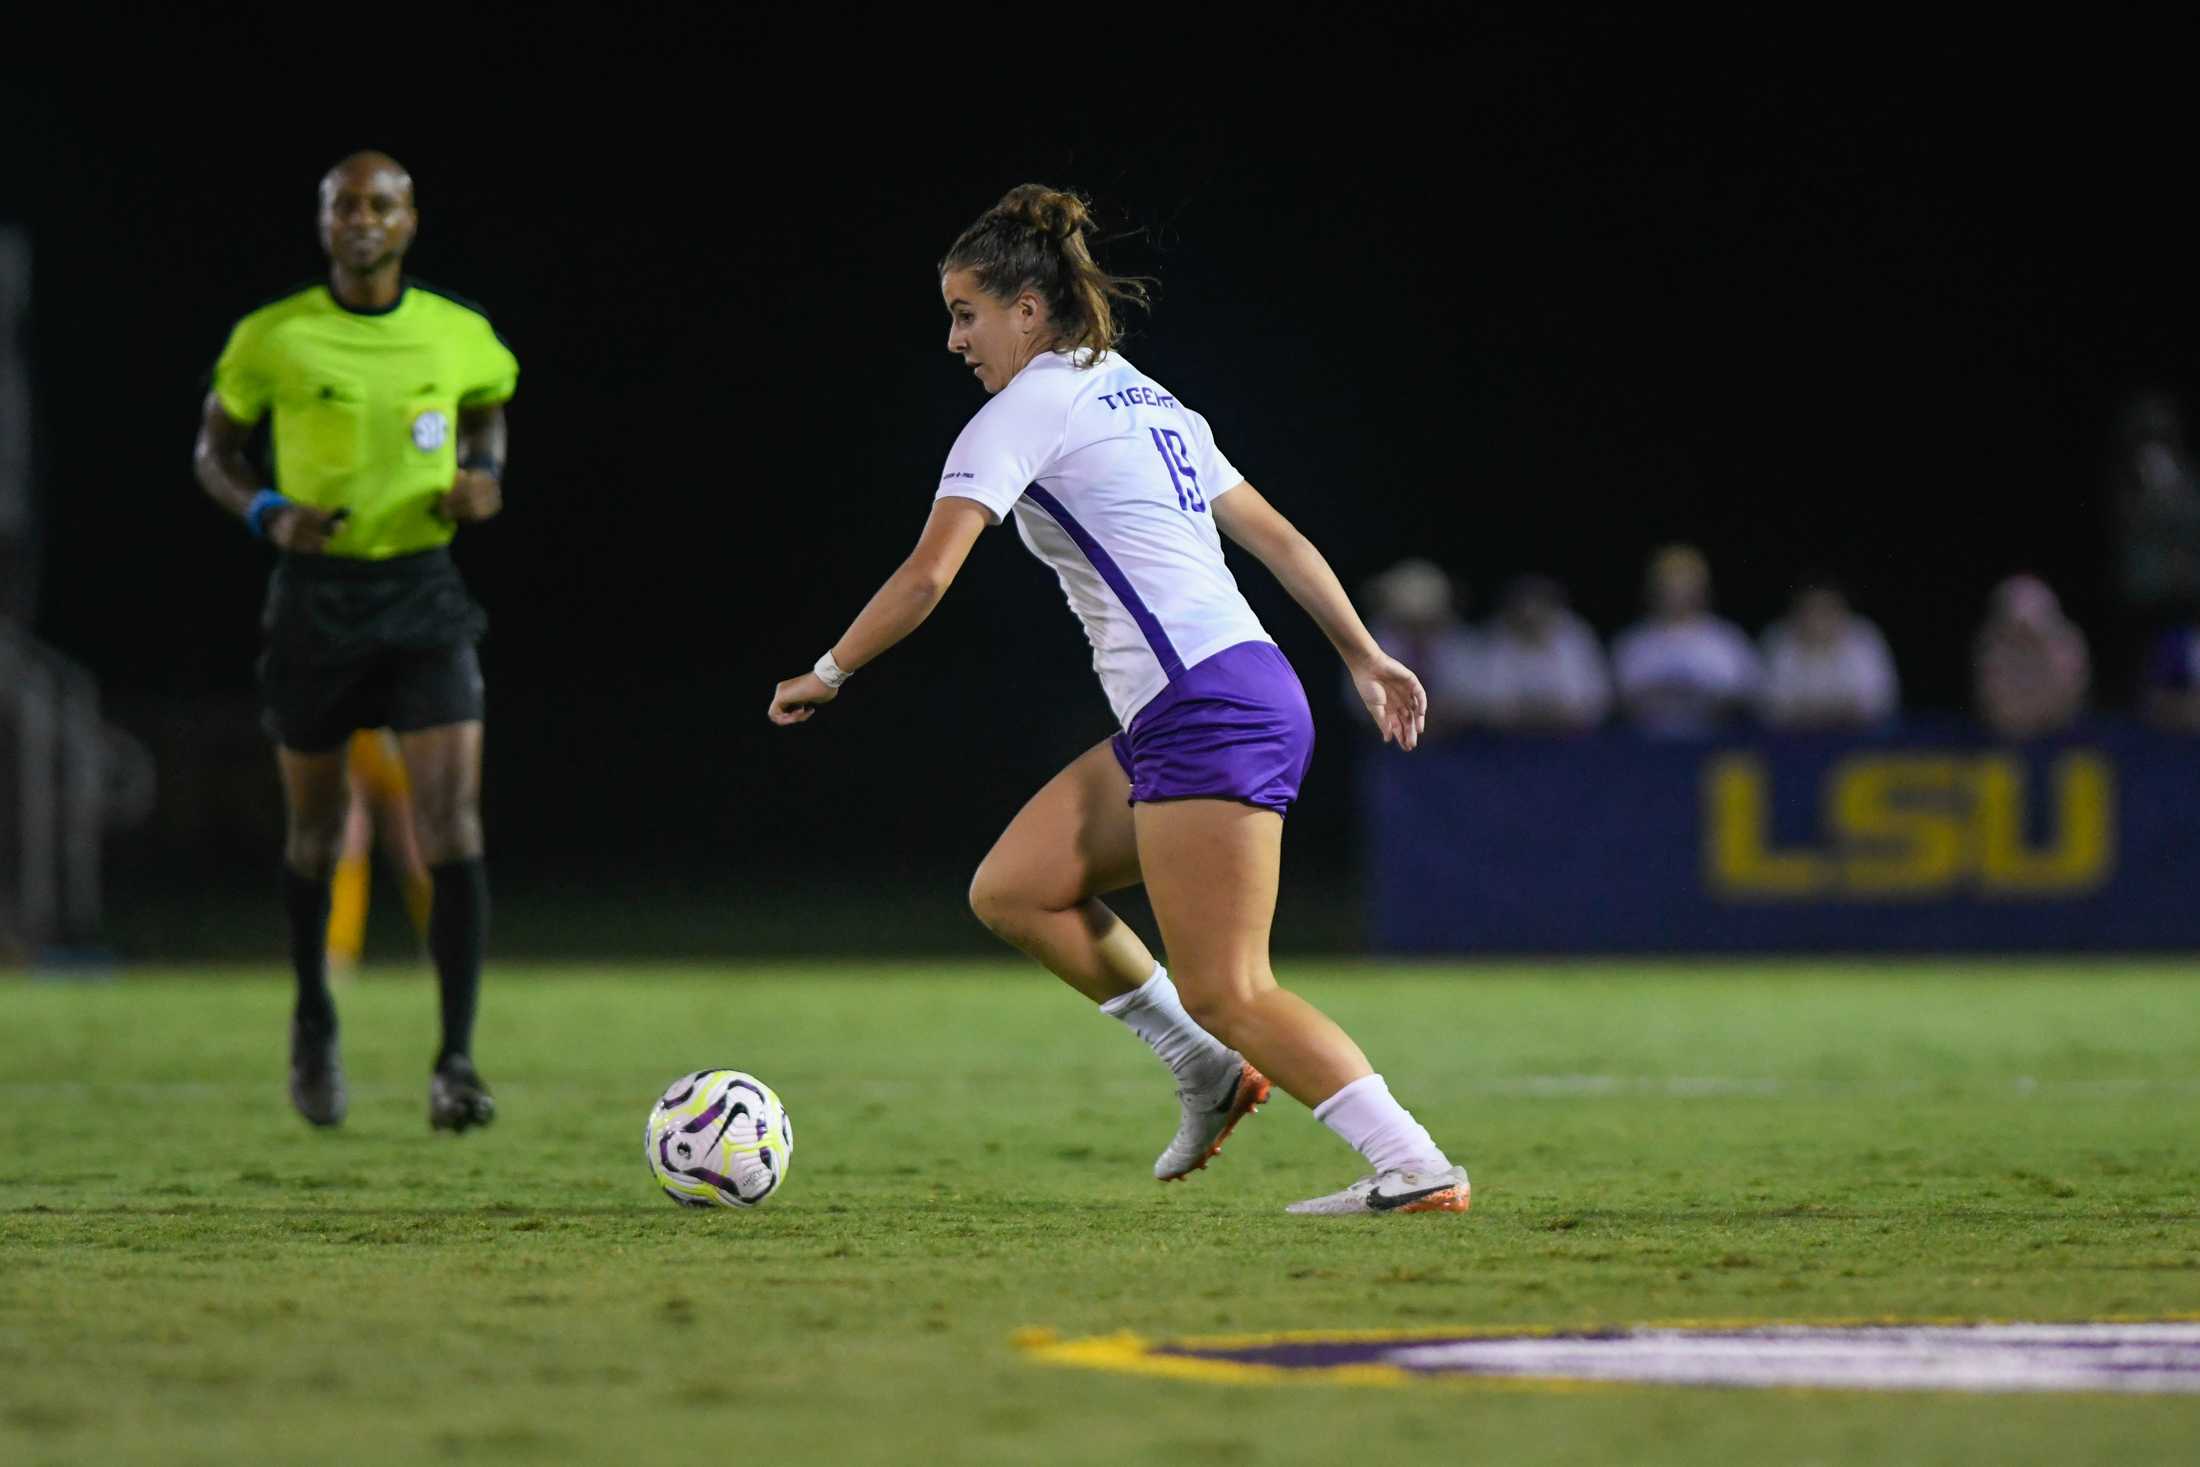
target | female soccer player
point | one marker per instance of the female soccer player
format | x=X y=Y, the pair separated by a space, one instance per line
x=1119 y=487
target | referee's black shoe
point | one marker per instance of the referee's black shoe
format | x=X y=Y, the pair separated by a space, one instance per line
x=457 y=1098
x=317 y=1076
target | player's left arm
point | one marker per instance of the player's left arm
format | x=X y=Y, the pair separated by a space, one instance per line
x=897 y=608
x=477 y=493
x=1393 y=695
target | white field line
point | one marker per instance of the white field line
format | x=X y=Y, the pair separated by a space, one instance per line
x=2134 y=1359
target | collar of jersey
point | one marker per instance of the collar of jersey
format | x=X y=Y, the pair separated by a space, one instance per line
x=404 y=289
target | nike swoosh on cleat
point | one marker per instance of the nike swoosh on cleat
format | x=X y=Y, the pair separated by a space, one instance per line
x=1385 y=1202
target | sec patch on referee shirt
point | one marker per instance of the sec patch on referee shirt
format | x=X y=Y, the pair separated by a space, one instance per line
x=430 y=430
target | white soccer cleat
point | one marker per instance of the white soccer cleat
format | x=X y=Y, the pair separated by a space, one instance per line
x=1209 y=1118
x=1394 y=1191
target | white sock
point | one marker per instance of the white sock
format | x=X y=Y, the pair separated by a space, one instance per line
x=1156 y=1015
x=1379 y=1128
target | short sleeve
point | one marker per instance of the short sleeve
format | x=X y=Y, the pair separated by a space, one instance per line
x=1216 y=472
x=1000 y=453
x=244 y=383
x=492 y=375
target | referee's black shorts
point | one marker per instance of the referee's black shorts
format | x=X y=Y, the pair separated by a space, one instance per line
x=354 y=644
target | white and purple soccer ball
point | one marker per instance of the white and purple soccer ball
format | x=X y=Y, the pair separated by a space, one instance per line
x=718 y=1138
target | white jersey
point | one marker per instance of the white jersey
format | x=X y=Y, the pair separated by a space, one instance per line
x=1110 y=478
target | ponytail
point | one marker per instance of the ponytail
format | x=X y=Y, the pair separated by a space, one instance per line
x=1034 y=239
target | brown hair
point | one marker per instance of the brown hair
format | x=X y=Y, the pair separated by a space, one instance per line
x=1034 y=239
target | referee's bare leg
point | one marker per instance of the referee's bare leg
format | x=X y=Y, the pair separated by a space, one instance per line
x=315 y=798
x=444 y=767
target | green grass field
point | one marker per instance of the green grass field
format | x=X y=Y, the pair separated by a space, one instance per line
x=189 y=1275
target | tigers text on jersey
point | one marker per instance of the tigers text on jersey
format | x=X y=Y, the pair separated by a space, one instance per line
x=366 y=405
x=1110 y=478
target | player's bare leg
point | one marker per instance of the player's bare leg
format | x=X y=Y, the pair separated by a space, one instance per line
x=443 y=765
x=1211 y=869
x=315 y=800
x=1039 y=889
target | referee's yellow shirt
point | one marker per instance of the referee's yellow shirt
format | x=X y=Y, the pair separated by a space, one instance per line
x=366 y=405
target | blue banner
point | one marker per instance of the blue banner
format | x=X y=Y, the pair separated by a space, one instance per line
x=1932 y=839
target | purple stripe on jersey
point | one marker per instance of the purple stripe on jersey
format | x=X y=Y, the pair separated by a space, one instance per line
x=1172 y=666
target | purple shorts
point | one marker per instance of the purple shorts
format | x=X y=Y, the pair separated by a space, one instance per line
x=1235 y=727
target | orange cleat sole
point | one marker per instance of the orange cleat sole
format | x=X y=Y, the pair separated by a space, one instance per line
x=1451 y=1199
x=1252 y=1093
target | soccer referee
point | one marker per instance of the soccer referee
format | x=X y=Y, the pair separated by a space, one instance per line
x=388 y=433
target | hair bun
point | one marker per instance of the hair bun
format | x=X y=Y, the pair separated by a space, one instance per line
x=1033 y=238
x=1052 y=212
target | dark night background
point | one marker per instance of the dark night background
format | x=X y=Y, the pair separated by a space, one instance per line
x=1515 y=297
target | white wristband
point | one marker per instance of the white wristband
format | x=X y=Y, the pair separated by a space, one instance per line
x=828 y=671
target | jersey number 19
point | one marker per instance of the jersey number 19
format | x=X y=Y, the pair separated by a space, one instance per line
x=1170 y=445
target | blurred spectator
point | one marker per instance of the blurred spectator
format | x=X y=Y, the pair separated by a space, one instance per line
x=1681 y=670
x=2156 y=492
x=1542 y=667
x=1414 y=616
x=1825 y=666
x=2171 y=696
x=2032 y=666
x=2154 y=501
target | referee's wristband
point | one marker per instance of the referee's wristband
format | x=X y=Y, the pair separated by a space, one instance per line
x=482 y=463
x=255 y=513
x=829 y=672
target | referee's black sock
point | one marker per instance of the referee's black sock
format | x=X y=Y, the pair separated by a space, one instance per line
x=458 y=929
x=305 y=898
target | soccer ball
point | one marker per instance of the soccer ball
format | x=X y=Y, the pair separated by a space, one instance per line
x=718 y=1137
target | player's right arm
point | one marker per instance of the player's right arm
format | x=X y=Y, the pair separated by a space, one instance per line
x=229 y=480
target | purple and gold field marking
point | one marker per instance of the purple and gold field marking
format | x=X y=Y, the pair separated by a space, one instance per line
x=2118 y=1357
